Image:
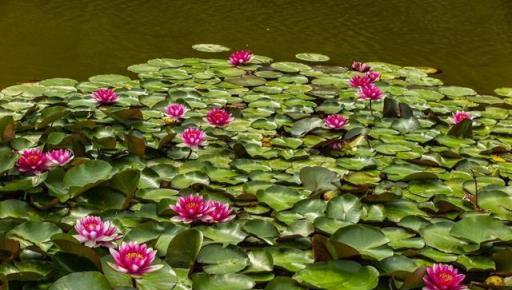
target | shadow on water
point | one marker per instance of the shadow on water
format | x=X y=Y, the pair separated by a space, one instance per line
x=469 y=40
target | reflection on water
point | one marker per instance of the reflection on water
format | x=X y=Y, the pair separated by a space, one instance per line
x=470 y=40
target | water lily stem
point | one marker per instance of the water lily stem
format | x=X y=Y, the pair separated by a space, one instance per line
x=134 y=283
x=371 y=110
x=189 y=154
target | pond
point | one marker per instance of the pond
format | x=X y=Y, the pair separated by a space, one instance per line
x=469 y=40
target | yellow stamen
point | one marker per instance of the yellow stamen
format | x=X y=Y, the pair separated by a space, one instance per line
x=134 y=255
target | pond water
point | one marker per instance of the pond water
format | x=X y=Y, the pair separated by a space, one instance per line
x=469 y=40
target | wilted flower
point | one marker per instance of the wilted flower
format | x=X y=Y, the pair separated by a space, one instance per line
x=176 y=111
x=218 y=117
x=336 y=121
x=360 y=66
x=370 y=92
x=193 y=137
x=240 y=57
x=373 y=75
x=134 y=259
x=360 y=81
x=336 y=145
x=191 y=208
x=460 y=116
x=104 y=96
x=59 y=157
x=220 y=212
x=93 y=232
x=443 y=277
x=32 y=160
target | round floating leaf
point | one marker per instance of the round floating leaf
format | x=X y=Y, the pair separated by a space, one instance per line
x=303 y=126
x=82 y=281
x=319 y=179
x=261 y=228
x=454 y=91
x=164 y=278
x=346 y=208
x=184 y=248
x=246 y=81
x=312 y=57
x=505 y=92
x=35 y=233
x=279 y=197
x=222 y=260
x=497 y=202
x=110 y=80
x=480 y=228
x=202 y=281
x=181 y=181
x=87 y=175
x=360 y=239
x=203 y=47
x=290 y=67
x=340 y=274
x=292 y=259
x=283 y=283
x=438 y=236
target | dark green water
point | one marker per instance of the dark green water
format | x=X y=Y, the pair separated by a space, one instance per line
x=470 y=40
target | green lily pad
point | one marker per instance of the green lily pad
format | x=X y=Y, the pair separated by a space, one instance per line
x=312 y=57
x=210 y=47
x=340 y=274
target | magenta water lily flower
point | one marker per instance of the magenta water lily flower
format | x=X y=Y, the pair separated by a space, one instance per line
x=336 y=121
x=373 y=76
x=443 y=277
x=59 y=157
x=360 y=81
x=191 y=208
x=218 y=117
x=94 y=232
x=219 y=213
x=134 y=259
x=460 y=116
x=32 y=160
x=193 y=137
x=176 y=111
x=370 y=93
x=240 y=57
x=105 y=96
x=360 y=66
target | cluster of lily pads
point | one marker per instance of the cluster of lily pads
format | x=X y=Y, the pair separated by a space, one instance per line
x=299 y=185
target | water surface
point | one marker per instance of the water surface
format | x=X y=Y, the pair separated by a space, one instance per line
x=469 y=40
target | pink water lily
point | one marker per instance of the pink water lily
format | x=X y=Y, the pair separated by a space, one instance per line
x=134 y=259
x=105 y=96
x=373 y=75
x=443 y=277
x=176 y=111
x=370 y=93
x=220 y=212
x=336 y=121
x=59 y=157
x=93 y=232
x=218 y=117
x=191 y=208
x=360 y=66
x=360 y=81
x=240 y=57
x=460 y=116
x=193 y=137
x=32 y=160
